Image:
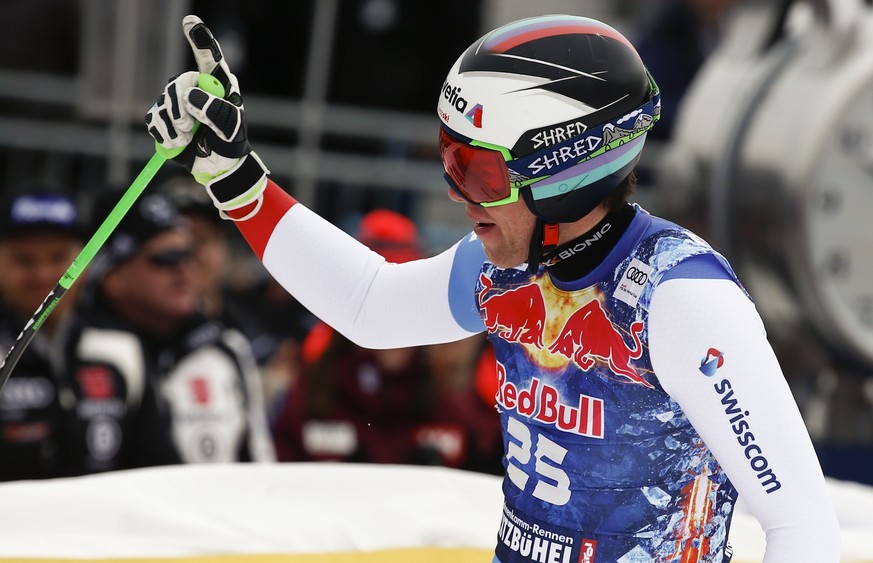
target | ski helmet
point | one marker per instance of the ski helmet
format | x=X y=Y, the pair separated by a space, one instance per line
x=554 y=109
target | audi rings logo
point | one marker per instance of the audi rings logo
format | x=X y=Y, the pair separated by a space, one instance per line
x=636 y=275
x=630 y=285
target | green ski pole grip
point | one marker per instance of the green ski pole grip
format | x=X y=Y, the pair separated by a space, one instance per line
x=205 y=82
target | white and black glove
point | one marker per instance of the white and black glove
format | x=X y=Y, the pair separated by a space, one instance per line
x=218 y=154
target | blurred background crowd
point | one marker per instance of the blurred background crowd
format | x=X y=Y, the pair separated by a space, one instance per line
x=178 y=348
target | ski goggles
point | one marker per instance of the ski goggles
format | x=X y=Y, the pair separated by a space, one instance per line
x=489 y=175
x=477 y=171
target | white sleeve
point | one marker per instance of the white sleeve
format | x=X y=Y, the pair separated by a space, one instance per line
x=743 y=409
x=374 y=303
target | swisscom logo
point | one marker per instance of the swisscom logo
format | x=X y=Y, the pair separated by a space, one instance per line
x=741 y=421
x=711 y=362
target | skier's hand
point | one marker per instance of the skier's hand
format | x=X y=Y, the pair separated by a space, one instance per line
x=218 y=154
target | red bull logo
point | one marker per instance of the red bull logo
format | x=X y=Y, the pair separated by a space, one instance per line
x=541 y=402
x=589 y=335
x=516 y=315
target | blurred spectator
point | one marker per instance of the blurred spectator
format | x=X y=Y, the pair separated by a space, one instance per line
x=407 y=405
x=264 y=312
x=360 y=405
x=674 y=43
x=40 y=235
x=210 y=244
x=194 y=378
x=466 y=372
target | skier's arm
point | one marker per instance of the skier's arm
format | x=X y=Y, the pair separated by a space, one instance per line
x=373 y=303
x=710 y=353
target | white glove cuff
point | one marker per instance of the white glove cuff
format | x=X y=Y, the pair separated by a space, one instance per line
x=239 y=187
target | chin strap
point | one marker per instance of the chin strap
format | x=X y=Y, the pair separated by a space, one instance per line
x=544 y=240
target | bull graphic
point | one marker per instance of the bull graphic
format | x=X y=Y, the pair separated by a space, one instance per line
x=589 y=335
x=515 y=315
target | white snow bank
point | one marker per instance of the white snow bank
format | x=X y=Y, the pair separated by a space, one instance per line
x=244 y=510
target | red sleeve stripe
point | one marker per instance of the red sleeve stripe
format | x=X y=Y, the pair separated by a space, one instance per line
x=258 y=229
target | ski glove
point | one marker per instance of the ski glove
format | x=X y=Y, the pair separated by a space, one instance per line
x=218 y=155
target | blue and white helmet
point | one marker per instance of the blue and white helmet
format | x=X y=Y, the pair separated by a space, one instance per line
x=568 y=96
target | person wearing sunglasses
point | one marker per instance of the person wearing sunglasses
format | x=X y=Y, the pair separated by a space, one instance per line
x=636 y=389
x=193 y=390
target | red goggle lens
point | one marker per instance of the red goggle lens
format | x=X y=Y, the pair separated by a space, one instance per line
x=478 y=174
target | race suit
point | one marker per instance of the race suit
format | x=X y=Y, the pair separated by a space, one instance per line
x=636 y=401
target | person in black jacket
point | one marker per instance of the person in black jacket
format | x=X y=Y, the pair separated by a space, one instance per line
x=40 y=235
x=191 y=381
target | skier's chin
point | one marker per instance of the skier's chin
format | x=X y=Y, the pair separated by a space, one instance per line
x=505 y=258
